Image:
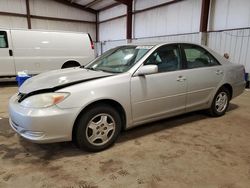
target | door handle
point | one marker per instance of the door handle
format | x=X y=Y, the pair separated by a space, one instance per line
x=10 y=52
x=218 y=72
x=181 y=78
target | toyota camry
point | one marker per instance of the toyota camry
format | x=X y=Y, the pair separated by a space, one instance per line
x=125 y=87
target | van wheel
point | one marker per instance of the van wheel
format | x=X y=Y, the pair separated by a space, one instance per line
x=220 y=103
x=70 y=64
x=97 y=128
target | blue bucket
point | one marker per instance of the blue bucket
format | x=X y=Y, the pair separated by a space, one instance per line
x=246 y=77
x=21 y=79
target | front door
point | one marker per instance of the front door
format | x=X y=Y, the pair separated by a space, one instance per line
x=162 y=94
x=7 y=66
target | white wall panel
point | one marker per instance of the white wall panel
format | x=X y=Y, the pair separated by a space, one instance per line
x=64 y=26
x=54 y=9
x=112 y=44
x=16 y=6
x=142 y=4
x=177 y=18
x=193 y=38
x=13 y=22
x=235 y=43
x=113 y=30
x=229 y=14
x=102 y=4
x=112 y=12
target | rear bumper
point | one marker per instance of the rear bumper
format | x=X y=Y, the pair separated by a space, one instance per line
x=44 y=125
x=238 y=88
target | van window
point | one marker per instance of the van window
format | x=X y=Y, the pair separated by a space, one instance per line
x=3 y=39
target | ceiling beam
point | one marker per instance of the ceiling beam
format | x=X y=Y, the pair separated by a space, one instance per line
x=110 y=6
x=129 y=20
x=92 y=3
x=204 y=15
x=75 y=5
x=28 y=13
x=125 y=2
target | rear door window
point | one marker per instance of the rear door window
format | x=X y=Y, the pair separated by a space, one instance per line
x=3 y=39
x=198 y=57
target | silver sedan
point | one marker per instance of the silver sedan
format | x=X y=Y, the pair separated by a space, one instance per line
x=125 y=87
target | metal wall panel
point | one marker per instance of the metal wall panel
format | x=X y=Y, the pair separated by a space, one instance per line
x=64 y=26
x=12 y=22
x=229 y=14
x=181 y=17
x=46 y=8
x=54 y=9
x=236 y=43
x=113 y=30
x=102 y=4
x=16 y=6
x=192 y=38
x=112 y=12
x=142 y=4
x=104 y=46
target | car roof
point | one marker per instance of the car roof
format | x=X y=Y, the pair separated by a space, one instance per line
x=158 y=44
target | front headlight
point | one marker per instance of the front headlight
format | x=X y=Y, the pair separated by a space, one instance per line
x=44 y=100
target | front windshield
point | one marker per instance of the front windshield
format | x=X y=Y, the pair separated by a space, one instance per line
x=119 y=60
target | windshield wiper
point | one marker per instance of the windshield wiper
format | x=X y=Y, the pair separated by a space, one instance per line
x=90 y=68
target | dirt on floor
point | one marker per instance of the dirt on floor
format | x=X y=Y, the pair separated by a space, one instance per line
x=191 y=150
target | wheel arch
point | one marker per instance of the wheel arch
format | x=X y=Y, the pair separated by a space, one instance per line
x=110 y=102
x=229 y=88
x=70 y=62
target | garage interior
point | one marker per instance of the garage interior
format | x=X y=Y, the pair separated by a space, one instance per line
x=191 y=150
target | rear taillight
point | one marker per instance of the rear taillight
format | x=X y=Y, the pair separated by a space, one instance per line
x=91 y=42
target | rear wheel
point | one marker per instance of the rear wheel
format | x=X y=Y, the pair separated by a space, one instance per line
x=220 y=103
x=97 y=128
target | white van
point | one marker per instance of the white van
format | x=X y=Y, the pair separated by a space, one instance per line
x=40 y=51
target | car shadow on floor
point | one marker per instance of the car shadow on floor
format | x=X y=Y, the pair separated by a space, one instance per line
x=8 y=82
x=44 y=153
x=169 y=123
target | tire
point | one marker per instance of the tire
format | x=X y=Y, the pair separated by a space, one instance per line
x=70 y=64
x=97 y=128
x=220 y=103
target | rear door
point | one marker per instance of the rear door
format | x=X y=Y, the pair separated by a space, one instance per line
x=7 y=66
x=204 y=73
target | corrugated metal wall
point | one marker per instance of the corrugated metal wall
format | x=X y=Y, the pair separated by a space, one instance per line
x=229 y=14
x=157 y=25
x=225 y=16
x=177 y=18
x=236 y=43
x=115 y=29
x=16 y=6
x=180 y=22
x=46 y=8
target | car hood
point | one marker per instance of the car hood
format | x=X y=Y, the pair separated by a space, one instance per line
x=59 y=79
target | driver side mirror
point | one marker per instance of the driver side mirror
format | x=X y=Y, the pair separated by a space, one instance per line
x=146 y=70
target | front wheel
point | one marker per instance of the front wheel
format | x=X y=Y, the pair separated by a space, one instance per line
x=220 y=103
x=98 y=128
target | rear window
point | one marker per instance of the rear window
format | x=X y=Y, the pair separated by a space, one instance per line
x=3 y=39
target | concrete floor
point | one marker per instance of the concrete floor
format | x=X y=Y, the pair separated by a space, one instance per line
x=192 y=150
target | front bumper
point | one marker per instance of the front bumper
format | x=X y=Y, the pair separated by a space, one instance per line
x=44 y=125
